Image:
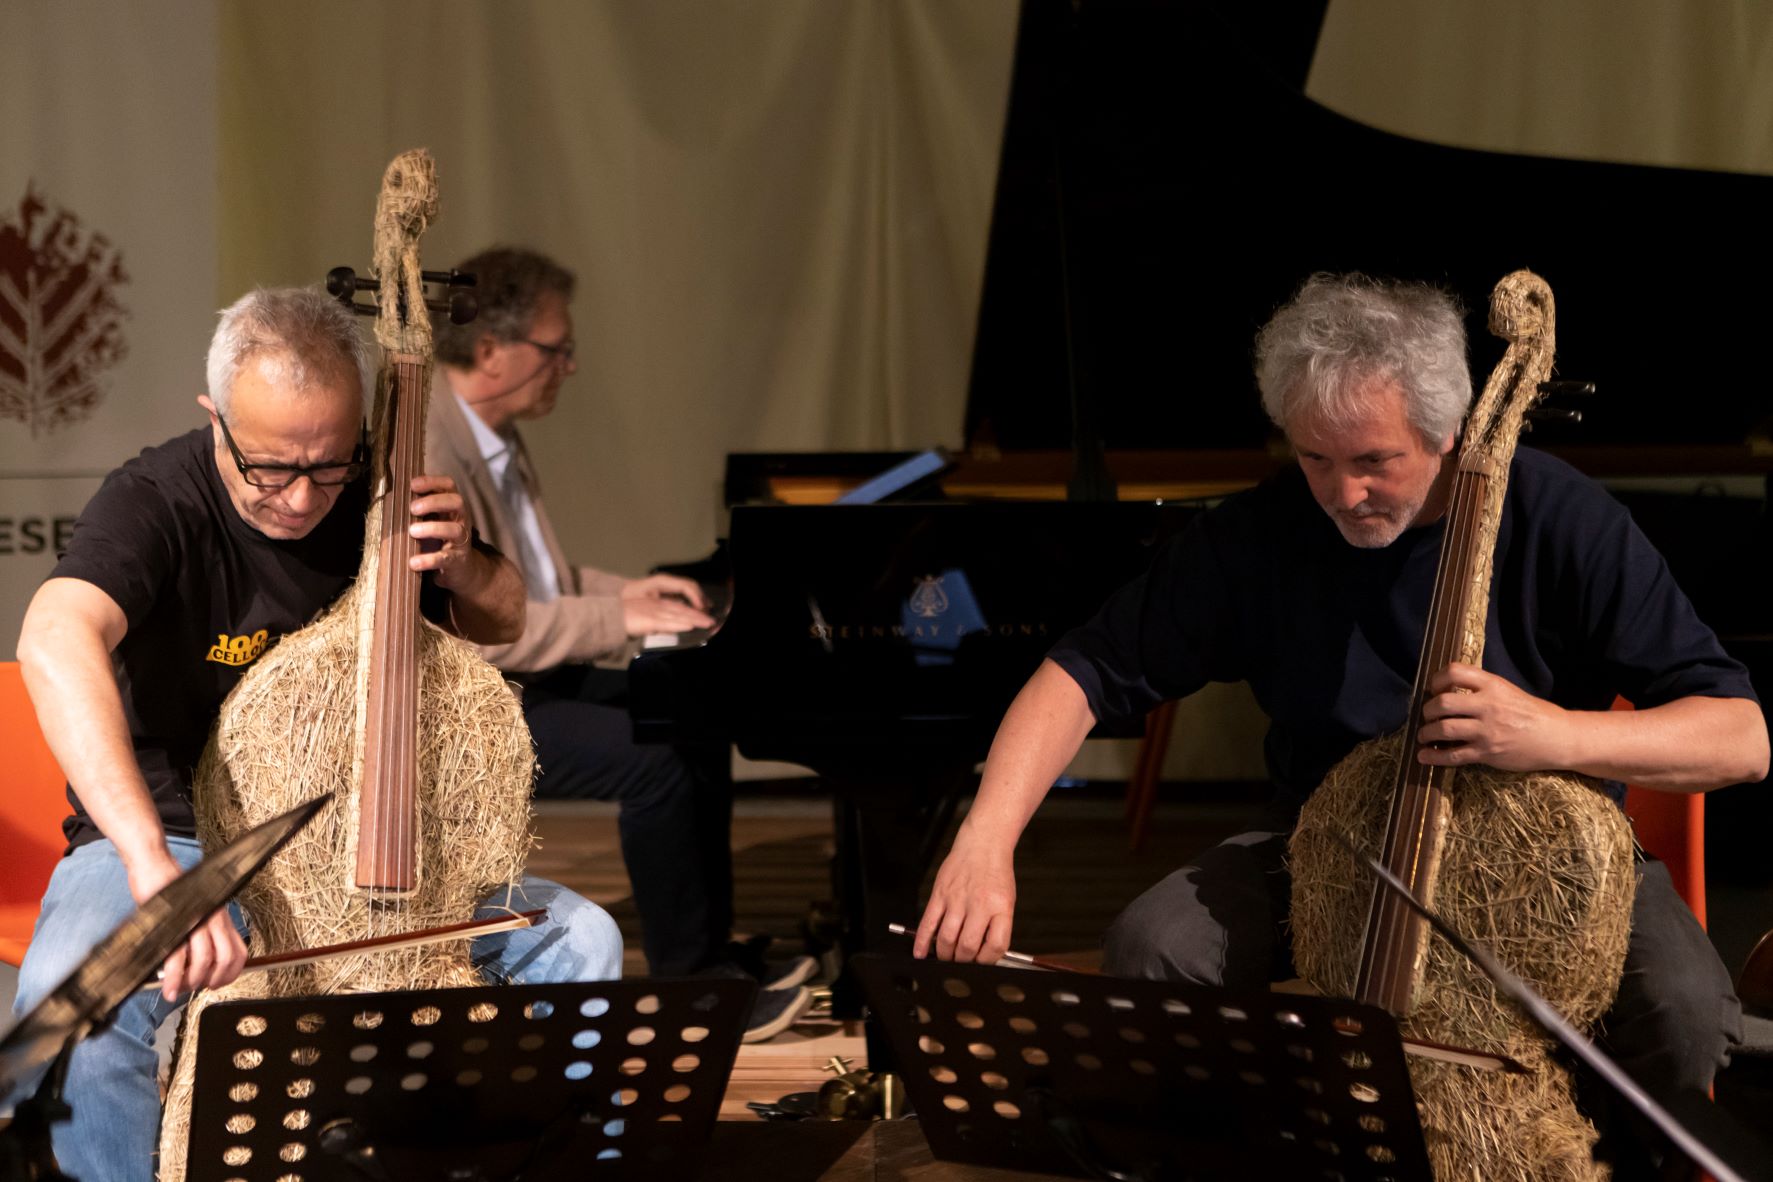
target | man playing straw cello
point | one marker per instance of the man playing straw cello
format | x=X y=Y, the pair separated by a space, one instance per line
x=190 y=561
x=1314 y=588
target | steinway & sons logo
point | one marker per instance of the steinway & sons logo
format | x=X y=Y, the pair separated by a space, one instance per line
x=930 y=614
x=929 y=600
x=61 y=321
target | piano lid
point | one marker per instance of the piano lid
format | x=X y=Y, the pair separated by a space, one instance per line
x=1200 y=187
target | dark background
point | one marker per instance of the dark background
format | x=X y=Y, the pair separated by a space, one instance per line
x=1198 y=188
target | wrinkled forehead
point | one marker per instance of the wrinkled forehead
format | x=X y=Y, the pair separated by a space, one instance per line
x=275 y=405
x=273 y=375
x=1373 y=406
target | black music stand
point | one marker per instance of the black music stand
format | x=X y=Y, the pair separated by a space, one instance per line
x=617 y=1078
x=1104 y=1077
x=106 y=977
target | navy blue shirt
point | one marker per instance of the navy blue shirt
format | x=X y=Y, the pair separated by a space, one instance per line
x=1264 y=589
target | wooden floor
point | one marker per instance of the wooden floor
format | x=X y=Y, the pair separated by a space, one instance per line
x=1074 y=874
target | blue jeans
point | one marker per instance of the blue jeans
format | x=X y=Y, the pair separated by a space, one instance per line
x=112 y=1084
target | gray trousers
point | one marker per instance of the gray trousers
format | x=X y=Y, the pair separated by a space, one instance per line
x=1222 y=921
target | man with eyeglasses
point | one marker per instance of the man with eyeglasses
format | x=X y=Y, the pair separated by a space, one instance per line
x=190 y=561
x=506 y=367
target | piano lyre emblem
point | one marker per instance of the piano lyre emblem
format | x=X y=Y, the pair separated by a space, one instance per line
x=929 y=600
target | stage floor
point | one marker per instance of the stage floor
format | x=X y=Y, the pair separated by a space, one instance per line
x=1074 y=870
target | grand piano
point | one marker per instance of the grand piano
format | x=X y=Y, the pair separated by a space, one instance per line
x=1164 y=184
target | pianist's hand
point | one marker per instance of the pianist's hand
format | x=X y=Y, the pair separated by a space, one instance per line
x=663 y=603
x=971 y=906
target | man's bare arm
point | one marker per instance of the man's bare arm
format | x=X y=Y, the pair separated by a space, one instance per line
x=64 y=652
x=1692 y=744
x=972 y=906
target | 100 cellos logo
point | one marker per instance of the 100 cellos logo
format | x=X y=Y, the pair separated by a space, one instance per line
x=237 y=650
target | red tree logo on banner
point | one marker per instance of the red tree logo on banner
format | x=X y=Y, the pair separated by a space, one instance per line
x=61 y=323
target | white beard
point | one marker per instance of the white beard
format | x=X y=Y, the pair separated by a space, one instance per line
x=1375 y=531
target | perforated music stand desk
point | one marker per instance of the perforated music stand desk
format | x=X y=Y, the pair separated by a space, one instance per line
x=613 y=1079
x=1033 y=1070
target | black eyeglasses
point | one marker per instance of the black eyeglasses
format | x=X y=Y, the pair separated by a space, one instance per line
x=284 y=475
x=559 y=351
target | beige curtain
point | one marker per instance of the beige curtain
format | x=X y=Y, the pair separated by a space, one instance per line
x=1636 y=81
x=107 y=256
x=777 y=211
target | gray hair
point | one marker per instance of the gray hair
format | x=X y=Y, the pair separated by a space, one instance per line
x=1341 y=331
x=509 y=283
x=309 y=336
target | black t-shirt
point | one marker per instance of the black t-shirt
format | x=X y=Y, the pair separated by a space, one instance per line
x=205 y=595
x=1264 y=588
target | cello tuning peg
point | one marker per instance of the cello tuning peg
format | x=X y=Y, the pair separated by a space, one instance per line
x=461 y=306
x=1545 y=413
x=1564 y=389
x=449 y=278
x=341 y=284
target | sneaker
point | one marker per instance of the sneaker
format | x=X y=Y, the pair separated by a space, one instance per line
x=775 y=1011
x=786 y=974
x=770 y=973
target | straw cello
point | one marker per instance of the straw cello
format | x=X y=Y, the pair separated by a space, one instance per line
x=1537 y=866
x=421 y=740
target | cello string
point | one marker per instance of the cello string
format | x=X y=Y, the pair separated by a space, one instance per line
x=1377 y=950
x=387 y=804
x=1466 y=529
x=1446 y=622
x=397 y=603
x=402 y=804
x=1409 y=820
x=1446 y=642
x=1418 y=780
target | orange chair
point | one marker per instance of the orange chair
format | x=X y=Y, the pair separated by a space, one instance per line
x=1671 y=826
x=32 y=805
x=1147 y=772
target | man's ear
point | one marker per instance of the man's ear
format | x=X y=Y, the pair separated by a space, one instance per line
x=205 y=403
x=486 y=354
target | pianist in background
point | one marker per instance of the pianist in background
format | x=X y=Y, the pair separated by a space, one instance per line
x=581 y=625
x=1314 y=587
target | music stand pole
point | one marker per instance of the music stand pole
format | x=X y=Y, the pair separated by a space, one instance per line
x=26 y=1152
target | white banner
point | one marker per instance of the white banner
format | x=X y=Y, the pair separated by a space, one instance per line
x=108 y=260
